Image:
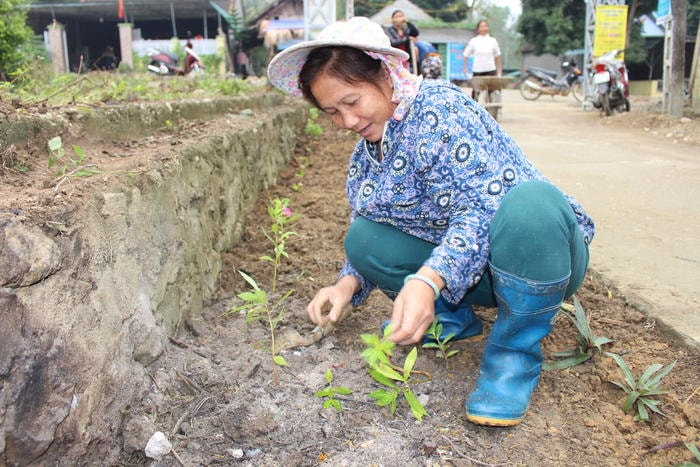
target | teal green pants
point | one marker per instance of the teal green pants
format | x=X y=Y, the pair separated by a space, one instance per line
x=534 y=235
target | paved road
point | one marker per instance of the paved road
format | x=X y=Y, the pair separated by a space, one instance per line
x=642 y=192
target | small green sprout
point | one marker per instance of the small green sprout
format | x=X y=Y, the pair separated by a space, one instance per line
x=442 y=345
x=587 y=342
x=330 y=392
x=313 y=129
x=639 y=392
x=59 y=156
x=396 y=379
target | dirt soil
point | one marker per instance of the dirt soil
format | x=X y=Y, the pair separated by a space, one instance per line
x=219 y=398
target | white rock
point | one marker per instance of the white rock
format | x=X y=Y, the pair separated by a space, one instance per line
x=236 y=453
x=158 y=446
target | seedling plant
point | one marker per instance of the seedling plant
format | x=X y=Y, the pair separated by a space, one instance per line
x=396 y=379
x=640 y=392
x=329 y=393
x=257 y=302
x=587 y=342
x=58 y=156
x=442 y=345
x=312 y=128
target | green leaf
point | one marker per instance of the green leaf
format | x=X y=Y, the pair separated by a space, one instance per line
x=629 y=377
x=343 y=390
x=279 y=359
x=430 y=345
x=659 y=376
x=651 y=369
x=451 y=353
x=409 y=363
x=79 y=152
x=694 y=450
x=55 y=143
x=417 y=408
x=328 y=392
x=629 y=402
x=389 y=372
x=267 y=258
x=643 y=415
x=335 y=404
x=249 y=280
x=380 y=378
x=329 y=376
x=566 y=363
x=383 y=398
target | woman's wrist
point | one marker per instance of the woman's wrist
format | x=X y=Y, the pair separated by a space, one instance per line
x=426 y=280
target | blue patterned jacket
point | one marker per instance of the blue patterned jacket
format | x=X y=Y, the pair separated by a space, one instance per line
x=445 y=170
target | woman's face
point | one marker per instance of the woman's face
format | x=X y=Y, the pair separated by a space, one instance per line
x=398 y=19
x=361 y=107
x=482 y=28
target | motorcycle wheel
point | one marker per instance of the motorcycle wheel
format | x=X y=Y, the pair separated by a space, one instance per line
x=577 y=91
x=529 y=93
x=605 y=103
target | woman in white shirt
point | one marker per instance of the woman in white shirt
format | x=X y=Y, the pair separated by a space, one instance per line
x=486 y=53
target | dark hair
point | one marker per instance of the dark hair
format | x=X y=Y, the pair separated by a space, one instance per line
x=346 y=63
x=479 y=24
x=395 y=12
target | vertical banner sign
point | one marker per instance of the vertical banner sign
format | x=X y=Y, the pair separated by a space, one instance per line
x=610 y=29
x=663 y=11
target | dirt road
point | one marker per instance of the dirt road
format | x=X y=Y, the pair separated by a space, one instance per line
x=640 y=185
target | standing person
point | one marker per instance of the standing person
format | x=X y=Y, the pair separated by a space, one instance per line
x=446 y=212
x=486 y=53
x=403 y=35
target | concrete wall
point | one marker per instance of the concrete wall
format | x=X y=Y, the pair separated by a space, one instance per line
x=86 y=308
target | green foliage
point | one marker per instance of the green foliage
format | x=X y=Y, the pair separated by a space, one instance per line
x=442 y=345
x=587 y=342
x=15 y=38
x=330 y=392
x=553 y=26
x=640 y=392
x=58 y=156
x=257 y=303
x=313 y=129
x=397 y=380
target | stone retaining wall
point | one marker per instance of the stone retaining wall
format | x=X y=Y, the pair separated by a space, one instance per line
x=85 y=312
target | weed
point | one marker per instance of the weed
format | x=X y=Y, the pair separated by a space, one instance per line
x=587 y=342
x=256 y=303
x=639 y=392
x=59 y=156
x=398 y=380
x=330 y=392
x=442 y=345
x=313 y=129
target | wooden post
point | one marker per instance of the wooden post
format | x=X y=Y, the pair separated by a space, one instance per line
x=58 y=48
x=674 y=59
x=126 y=44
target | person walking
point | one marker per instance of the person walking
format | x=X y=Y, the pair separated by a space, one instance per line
x=486 y=53
x=446 y=212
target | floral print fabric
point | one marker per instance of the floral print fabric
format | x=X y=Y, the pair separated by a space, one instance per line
x=446 y=167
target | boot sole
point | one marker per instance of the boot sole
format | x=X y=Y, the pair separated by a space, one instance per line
x=489 y=421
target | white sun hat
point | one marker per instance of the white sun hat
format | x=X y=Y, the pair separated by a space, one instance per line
x=358 y=32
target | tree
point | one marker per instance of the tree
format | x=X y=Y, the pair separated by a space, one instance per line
x=15 y=37
x=553 y=26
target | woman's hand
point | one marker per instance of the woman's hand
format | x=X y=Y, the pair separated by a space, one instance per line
x=327 y=304
x=414 y=309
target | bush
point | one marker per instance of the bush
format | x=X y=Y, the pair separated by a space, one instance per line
x=15 y=37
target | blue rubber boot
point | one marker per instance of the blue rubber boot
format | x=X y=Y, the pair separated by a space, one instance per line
x=458 y=320
x=512 y=360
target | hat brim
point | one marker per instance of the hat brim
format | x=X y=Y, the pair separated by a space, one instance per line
x=283 y=70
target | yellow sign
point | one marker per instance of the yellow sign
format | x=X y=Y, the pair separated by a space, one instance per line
x=610 y=29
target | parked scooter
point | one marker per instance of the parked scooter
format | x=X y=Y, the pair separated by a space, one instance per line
x=163 y=63
x=538 y=81
x=611 y=84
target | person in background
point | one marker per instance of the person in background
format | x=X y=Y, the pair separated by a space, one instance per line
x=107 y=61
x=429 y=59
x=486 y=53
x=446 y=212
x=403 y=35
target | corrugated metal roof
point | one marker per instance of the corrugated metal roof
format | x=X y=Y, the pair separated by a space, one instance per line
x=137 y=9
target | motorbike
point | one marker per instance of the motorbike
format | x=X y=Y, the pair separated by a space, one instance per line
x=163 y=63
x=538 y=81
x=611 y=84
